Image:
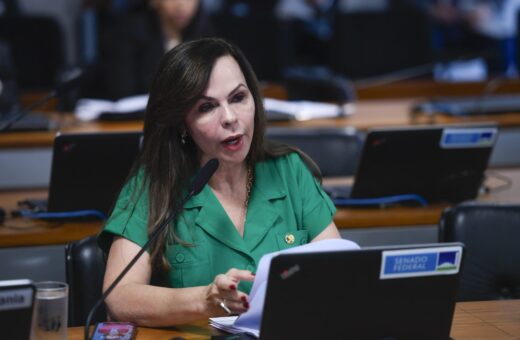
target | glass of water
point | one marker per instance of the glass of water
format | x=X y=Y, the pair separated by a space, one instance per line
x=50 y=311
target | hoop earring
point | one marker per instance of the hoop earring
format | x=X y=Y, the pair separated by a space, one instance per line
x=184 y=135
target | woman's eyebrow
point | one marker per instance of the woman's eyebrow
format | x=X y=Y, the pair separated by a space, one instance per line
x=230 y=93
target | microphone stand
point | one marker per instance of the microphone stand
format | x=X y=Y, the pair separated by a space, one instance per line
x=202 y=178
x=73 y=81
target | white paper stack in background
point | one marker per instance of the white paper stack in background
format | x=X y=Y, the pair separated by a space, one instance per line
x=90 y=109
x=305 y=110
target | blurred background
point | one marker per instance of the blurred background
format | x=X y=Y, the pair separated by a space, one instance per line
x=117 y=44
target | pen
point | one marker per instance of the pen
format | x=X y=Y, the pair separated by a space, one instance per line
x=224 y=307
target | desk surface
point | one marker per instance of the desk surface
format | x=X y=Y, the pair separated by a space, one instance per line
x=482 y=320
x=368 y=114
x=26 y=232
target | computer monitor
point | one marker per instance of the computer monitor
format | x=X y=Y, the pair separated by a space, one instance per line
x=399 y=292
x=89 y=169
x=441 y=163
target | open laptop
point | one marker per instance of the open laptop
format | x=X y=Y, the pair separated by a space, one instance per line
x=89 y=169
x=16 y=308
x=399 y=292
x=437 y=163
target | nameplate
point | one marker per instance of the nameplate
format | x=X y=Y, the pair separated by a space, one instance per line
x=420 y=262
x=468 y=138
x=16 y=299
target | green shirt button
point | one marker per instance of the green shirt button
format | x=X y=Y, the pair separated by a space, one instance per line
x=179 y=257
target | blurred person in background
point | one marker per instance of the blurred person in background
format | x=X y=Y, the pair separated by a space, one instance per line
x=486 y=27
x=141 y=38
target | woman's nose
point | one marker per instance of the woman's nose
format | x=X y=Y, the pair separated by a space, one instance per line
x=229 y=116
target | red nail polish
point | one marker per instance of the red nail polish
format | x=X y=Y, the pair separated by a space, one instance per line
x=232 y=287
x=244 y=299
x=246 y=304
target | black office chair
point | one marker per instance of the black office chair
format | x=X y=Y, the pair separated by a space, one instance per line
x=371 y=44
x=318 y=84
x=491 y=233
x=85 y=268
x=252 y=26
x=335 y=150
x=37 y=47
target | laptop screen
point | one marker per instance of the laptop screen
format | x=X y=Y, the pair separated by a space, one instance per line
x=406 y=292
x=89 y=169
x=439 y=163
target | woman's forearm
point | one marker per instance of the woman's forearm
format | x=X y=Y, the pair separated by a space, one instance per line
x=154 y=306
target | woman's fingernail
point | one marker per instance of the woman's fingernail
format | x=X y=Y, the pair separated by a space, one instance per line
x=232 y=287
x=244 y=299
x=246 y=304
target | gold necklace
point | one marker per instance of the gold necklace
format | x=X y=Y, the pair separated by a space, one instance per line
x=249 y=185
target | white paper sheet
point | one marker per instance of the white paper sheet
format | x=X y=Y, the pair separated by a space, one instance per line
x=90 y=109
x=304 y=110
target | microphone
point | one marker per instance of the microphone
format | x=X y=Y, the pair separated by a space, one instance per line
x=72 y=80
x=198 y=183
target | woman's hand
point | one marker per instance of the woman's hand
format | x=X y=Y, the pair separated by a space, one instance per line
x=223 y=293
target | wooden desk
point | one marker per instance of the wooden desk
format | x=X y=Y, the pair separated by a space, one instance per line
x=472 y=320
x=368 y=114
x=26 y=232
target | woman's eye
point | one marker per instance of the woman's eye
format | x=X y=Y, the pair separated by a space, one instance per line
x=237 y=98
x=206 y=107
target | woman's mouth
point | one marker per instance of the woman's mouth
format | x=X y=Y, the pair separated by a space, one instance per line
x=233 y=143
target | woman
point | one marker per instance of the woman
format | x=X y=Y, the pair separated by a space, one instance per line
x=205 y=103
x=140 y=40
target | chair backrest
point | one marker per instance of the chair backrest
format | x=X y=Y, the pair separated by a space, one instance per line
x=335 y=150
x=371 y=44
x=304 y=83
x=85 y=268
x=491 y=233
x=37 y=47
x=252 y=26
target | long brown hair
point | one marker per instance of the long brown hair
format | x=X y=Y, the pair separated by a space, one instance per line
x=169 y=164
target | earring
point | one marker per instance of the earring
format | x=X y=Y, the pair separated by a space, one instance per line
x=184 y=134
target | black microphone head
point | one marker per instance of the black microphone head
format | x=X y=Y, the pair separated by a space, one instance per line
x=203 y=176
x=70 y=80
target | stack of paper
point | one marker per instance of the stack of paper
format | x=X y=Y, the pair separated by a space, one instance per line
x=91 y=109
x=304 y=110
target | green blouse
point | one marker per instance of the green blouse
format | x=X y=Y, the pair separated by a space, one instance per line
x=287 y=207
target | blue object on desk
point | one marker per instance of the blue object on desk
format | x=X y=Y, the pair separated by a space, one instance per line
x=380 y=200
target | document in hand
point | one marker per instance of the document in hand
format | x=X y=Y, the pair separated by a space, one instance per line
x=250 y=321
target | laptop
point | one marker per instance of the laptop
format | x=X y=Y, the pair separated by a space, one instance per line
x=16 y=308
x=398 y=292
x=475 y=105
x=89 y=169
x=434 y=163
